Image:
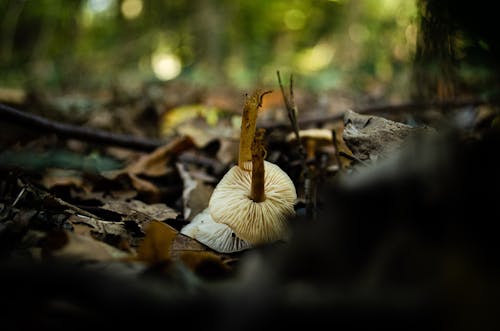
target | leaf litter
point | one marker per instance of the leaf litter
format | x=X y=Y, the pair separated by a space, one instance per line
x=127 y=221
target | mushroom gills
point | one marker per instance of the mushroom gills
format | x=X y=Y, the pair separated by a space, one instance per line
x=217 y=236
x=255 y=222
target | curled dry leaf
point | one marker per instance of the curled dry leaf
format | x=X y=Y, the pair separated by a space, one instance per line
x=154 y=164
x=155 y=247
x=195 y=194
x=77 y=247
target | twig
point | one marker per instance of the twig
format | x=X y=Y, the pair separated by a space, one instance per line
x=189 y=157
x=309 y=185
x=292 y=115
x=76 y=132
x=409 y=106
x=50 y=200
x=19 y=196
x=352 y=158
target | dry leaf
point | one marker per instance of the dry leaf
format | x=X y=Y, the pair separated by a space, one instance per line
x=184 y=244
x=155 y=247
x=63 y=177
x=195 y=194
x=63 y=244
x=206 y=264
x=157 y=211
x=155 y=163
x=84 y=225
x=103 y=196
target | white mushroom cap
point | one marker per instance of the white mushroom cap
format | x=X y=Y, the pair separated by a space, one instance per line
x=217 y=236
x=317 y=134
x=254 y=222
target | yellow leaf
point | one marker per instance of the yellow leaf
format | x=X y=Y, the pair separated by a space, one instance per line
x=155 y=248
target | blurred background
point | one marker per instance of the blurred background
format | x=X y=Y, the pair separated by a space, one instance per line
x=362 y=46
x=92 y=43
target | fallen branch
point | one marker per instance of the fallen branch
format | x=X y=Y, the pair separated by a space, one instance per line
x=88 y=134
x=76 y=132
x=409 y=106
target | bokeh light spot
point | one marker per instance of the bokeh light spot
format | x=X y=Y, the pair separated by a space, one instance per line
x=131 y=9
x=166 y=66
x=315 y=58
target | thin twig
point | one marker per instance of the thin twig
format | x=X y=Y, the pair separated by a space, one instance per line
x=76 y=132
x=352 y=158
x=408 y=106
x=19 y=196
x=292 y=115
x=309 y=184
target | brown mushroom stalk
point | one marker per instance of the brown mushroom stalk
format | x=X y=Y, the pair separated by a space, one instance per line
x=257 y=193
x=248 y=126
x=255 y=198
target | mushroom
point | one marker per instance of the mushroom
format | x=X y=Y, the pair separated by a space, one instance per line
x=255 y=222
x=313 y=139
x=254 y=198
x=217 y=236
x=252 y=202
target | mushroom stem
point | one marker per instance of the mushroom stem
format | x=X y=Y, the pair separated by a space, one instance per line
x=258 y=153
x=248 y=125
x=310 y=149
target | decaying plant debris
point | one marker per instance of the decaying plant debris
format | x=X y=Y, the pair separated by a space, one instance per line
x=398 y=232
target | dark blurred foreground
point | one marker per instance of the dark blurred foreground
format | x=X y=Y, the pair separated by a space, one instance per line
x=408 y=243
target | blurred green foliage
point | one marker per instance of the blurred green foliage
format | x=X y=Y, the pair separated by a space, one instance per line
x=353 y=44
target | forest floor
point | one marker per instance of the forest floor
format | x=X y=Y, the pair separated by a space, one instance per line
x=95 y=189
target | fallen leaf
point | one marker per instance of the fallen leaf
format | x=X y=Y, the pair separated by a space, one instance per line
x=206 y=264
x=156 y=211
x=155 y=163
x=63 y=177
x=183 y=243
x=155 y=247
x=195 y=194
x=64 y=244
x=228 y=151
x=89 y=226
x=103 y=196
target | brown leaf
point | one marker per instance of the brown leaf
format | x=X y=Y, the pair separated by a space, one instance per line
x=206 y=264
x=155 y=163
x=63 y=244
x=103 y=196
x=145 y=186
x=195 y=195
x=157 y=211
x=155 y=247
x=88 y=226
x=63 y=177
x=184 y=244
